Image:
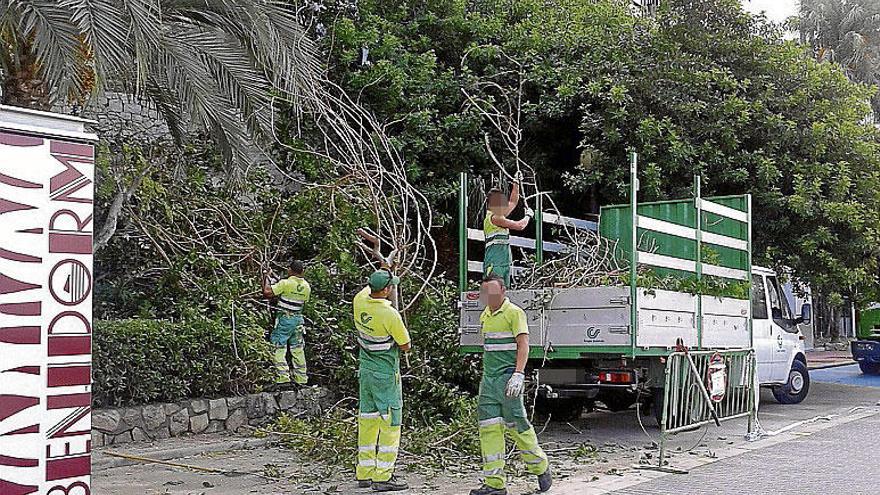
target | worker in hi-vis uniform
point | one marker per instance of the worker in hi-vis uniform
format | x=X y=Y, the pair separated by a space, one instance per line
x=287 y=336
x=381 y=335
x=500 y=408
x=497 y=227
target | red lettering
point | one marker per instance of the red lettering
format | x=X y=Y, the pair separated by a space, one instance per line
x=11 y=405
x=70 y=467
x=58 y=489
x=10 y=488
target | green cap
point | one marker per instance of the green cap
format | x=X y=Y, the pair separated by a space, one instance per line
x=381 y=279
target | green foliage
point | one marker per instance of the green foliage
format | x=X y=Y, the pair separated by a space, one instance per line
x=701 y=88
x=139 y=361
x=330 y=439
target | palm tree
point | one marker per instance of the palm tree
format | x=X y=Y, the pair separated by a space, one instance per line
x=846 y=32
x=213 y=65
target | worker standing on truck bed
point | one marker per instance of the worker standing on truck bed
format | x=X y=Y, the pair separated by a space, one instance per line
x=506 y=349
x=292 y=292
x=497 y=227
x=381 y=335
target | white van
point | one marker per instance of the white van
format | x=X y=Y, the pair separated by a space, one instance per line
x=778 y=340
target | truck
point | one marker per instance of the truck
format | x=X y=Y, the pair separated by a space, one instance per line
x=609 y=344
x=866 y=349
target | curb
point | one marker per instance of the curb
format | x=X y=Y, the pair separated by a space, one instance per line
x=101 y=461
x=832 y=365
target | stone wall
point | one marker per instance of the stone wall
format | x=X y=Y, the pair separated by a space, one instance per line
x=115 y=426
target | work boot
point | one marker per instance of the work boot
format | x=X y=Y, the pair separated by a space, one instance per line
x=488 y=490
x=545 y=481
x=395 y=484
x=365 y=483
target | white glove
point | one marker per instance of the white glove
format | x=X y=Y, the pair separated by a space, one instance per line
x=518 y=177
x=515 y=385
x=530 y=212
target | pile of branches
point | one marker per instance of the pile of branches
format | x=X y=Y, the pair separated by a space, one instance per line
x=589 y=260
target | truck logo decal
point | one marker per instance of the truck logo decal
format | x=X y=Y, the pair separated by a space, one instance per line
x=593 y=332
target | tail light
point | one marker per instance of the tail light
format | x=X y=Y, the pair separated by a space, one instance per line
x=615 y=377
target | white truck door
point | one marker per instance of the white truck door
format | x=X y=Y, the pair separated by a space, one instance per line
x=762 y=330
x=785 y=332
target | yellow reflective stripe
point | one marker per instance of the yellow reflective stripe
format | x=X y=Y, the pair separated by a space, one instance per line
x=498 y=335
x=367 y=448
x=384 y=464
x=371 y=415
x=387 y=450
x=367 y=463
x=493 y=458
x=491 y=421
x=376 y=347
x=499 y=347
x=492 y=472
x=371 y=338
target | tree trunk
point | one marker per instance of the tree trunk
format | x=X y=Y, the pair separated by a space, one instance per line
x=26 y=87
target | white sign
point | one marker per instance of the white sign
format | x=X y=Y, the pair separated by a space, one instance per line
x=46 y=226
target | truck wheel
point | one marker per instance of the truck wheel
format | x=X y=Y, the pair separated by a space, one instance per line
x=797 y=387
x=617 y=400
x=568 y=409
x=870 y=368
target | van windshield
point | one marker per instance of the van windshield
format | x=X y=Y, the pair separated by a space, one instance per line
x=778 y=303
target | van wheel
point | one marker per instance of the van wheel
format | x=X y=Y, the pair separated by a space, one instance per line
x=617 y=400
x=797 y=387
x=870 y=368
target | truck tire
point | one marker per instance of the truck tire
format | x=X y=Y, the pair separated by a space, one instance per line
x=617 y=400
x=797 y=387
x=870 y=368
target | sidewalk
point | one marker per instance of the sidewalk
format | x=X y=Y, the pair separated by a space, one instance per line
x=820 y=358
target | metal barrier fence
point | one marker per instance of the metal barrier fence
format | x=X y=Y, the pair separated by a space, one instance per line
x=704 y=387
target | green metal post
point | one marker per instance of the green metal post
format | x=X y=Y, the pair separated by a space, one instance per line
x=462 y=234
x=633 y=255
x=539 y=230
x=699 y=252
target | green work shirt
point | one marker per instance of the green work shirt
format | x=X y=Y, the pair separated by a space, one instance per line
x=380 y=333
x=500 y=329
x=293 y=293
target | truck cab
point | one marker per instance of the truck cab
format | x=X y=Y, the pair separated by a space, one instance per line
x=777 y=339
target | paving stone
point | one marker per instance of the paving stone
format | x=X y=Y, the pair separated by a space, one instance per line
x=154 y=416
x=131 y=417
x=139 y=435
x=198 y=424
x=256 y=406
x=287 y=400
x=217 y=409
x=236 y=420
x=98 y=439
x=199 y=406
x=179 y=422
x=106 y=420
x=172 y=408
x=236 y=402
x=122 y=438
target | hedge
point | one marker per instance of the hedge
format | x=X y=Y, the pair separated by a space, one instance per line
x=138 y=361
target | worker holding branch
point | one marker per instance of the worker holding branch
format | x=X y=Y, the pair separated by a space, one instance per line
x=500 y=407
x=292 y=292
x=381 y=336
x=497 y=227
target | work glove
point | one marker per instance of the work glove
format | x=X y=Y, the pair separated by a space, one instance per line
x=516 y=384
x=530 y=212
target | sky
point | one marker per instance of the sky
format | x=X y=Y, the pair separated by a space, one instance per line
x=776 y=10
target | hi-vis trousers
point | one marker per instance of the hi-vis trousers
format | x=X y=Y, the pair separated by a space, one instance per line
x=288 y=337
x=381 y=410
x=499 y=413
